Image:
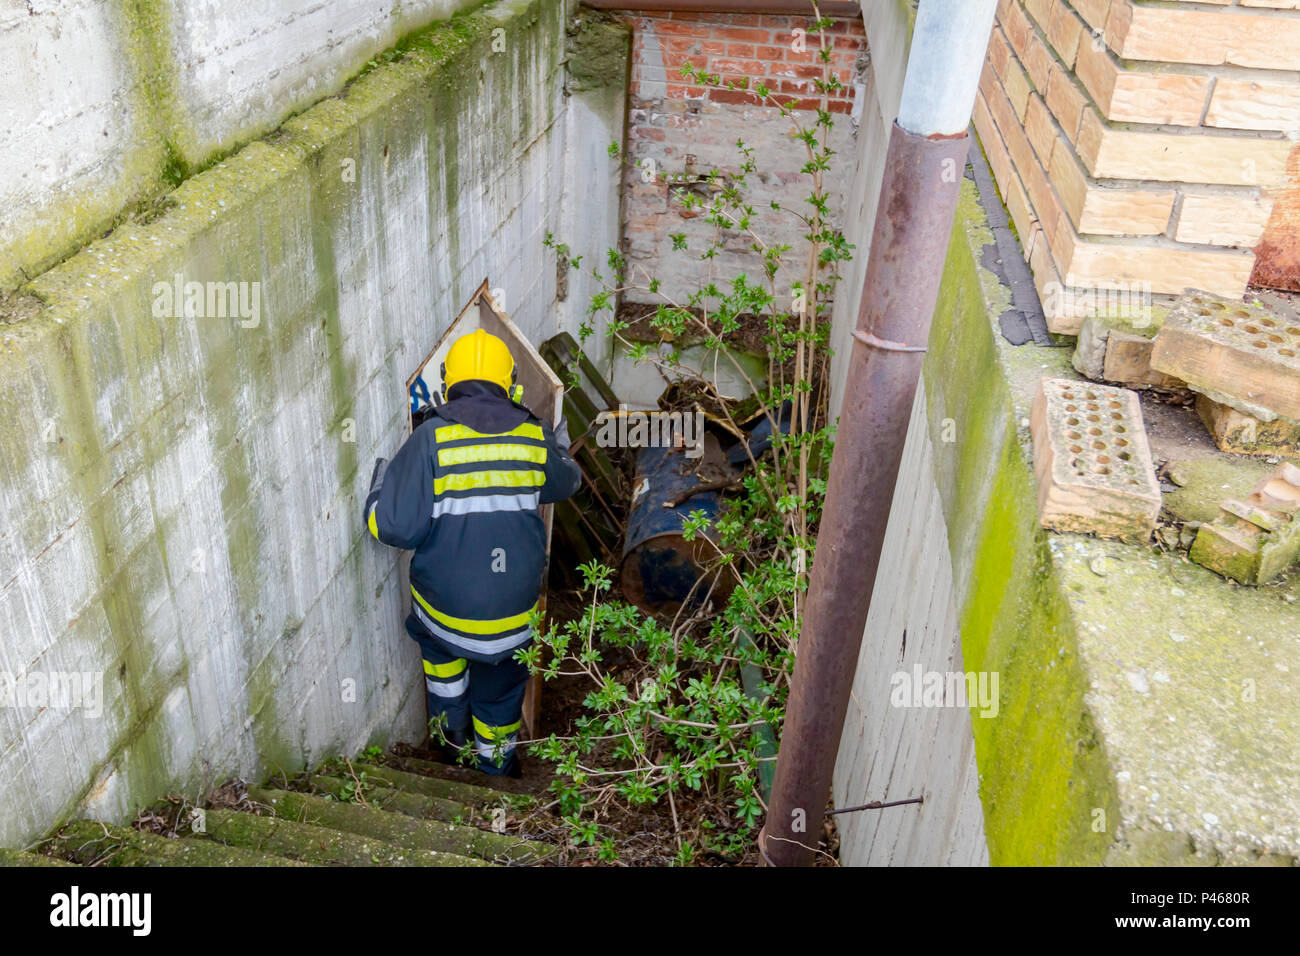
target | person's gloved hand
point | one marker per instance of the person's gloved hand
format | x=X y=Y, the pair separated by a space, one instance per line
x=562 y=435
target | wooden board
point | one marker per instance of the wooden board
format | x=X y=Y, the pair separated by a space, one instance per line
x=543 y=395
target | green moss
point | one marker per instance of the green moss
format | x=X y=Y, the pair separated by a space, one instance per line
x=599 y=51
x=83 y=339
x=1124 y=735
x=1042 y=772
x=1206 y=481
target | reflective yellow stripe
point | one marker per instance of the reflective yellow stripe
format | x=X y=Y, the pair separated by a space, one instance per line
x=512 y=623
x=469 y=453
x=489 y=479
x=445 y=670
x=492 y=733
x=457 y=432
x=374 y=526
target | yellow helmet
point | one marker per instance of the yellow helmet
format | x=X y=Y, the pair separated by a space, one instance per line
x=478 y=355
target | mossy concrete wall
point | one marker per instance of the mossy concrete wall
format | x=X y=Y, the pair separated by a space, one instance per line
x=182 y=491
x=109 y=102
x=1144 y=706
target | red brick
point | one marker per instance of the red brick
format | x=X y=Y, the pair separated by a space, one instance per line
x=677 y=91
x=674 y=61
x=682 y=29
x=745 y=50
x=738 y=97
x=789 y=56
x=748 y=35
x=744 y=67
x=797 y=87
x=813 y=104
x=770 y=52
x=682 y=45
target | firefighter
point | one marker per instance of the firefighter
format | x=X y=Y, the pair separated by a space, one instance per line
x=462 y=493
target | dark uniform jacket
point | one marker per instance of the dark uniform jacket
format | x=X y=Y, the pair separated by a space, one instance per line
x=462 y=493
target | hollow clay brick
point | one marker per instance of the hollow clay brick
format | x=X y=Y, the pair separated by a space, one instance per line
x=1092 y=464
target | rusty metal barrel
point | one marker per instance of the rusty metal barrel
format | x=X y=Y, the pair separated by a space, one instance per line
x=660 y=568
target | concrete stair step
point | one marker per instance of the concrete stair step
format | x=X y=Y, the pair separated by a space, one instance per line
x=86 y=842
x=399 y=829
x=319 y=844
x=443 y=771
x=398 y=801
x=423 y=814
x=24 y=858
x=474 y=795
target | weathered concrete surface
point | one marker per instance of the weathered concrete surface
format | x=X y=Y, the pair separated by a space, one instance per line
x=107 y=99
x=88 y=842
x=181 y=493
x=401 y=830
x=1145 y=716
x=892 y=752
x=1144 y=705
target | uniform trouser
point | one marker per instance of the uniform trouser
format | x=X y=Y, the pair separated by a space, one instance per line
x=470 y=697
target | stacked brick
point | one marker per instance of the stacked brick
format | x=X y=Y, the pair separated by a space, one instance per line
x=1140 y=144
x=778 y=51
x=682 y=133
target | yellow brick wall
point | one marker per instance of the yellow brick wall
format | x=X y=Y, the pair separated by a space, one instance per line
x=1143 y=142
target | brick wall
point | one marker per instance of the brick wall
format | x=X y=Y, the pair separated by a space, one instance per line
x=1141 y=143
x=671 y=118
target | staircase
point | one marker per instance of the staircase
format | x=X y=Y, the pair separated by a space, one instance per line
x=403 y=812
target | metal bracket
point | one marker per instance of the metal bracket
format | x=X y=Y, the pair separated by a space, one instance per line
x=866 y=338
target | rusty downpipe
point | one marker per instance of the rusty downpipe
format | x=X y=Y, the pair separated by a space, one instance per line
x=918 y=199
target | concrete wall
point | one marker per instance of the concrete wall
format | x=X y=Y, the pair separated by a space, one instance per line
x=893 y=747
x=1142 y=712
x=106 y=102
x=890 y=752
x=182 y=490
